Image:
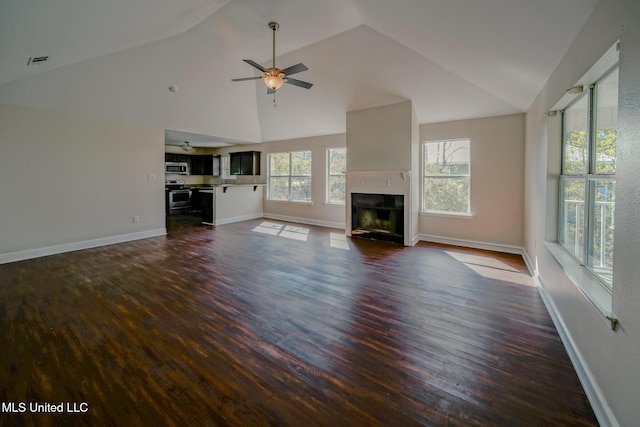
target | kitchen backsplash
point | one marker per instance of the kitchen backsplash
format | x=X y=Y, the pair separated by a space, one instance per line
x=188 y=179
x=205 y=179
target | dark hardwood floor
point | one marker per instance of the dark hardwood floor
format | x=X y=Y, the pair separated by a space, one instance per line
x=268 y=323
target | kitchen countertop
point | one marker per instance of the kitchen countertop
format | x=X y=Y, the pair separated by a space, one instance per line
x=198 y=187
x=211 y=186
x=233 y=184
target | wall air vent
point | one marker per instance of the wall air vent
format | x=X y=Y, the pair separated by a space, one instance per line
x=37 y=59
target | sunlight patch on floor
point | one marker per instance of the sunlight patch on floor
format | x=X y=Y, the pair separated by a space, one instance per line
x=288 y=231
x=339 y=241
x=480 y=260
x=296 y=233
x=504 y=275
x=492 y=268
x=336 y=240
x=268 y=228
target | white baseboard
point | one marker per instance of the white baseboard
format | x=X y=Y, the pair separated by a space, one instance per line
x=238 y=218
x=472 y=244
x=530 y=265
x=309 y=221
x=596 y=398
x=76 y=246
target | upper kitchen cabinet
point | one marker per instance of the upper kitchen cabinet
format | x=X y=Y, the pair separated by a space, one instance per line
x=206 y=164
x=177 y=158
x=244 y=163
x=196 y=165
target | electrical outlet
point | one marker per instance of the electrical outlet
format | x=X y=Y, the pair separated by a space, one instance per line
x=151 y=177
x=136 y=218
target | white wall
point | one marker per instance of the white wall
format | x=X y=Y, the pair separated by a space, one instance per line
x=608 y=361
x=415 y=176
x=69 y=179
x=497 y=180
x=317 y=212
x=132 y=85
x=379 y=139
x=238 y=203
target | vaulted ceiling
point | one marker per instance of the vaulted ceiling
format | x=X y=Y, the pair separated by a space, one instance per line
x=454 y=59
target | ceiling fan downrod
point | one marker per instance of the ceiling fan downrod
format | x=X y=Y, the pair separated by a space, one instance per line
x=274 y=27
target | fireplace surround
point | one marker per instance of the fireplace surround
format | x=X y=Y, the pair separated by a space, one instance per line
x=378 y=216
x=378 y=206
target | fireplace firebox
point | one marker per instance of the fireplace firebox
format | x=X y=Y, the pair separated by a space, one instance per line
x=378 y=216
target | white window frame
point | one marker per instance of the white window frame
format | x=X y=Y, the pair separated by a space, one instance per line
x=590 y=286
x=590 y=177
x=328 y=200
x=290 y=176
x=424 y=177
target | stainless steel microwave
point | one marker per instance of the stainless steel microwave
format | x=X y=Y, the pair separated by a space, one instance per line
x=179 y=168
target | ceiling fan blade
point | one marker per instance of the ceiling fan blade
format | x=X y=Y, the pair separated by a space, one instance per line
x=246 y=78
x=298 y=83
x=255 y=64
x=270 y=91
x=298 y=68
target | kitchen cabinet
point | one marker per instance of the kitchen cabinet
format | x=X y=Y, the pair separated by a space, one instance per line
x=205 y=164
x=244 y=163
x=179 y=158
x=194 y=200
x=196 y=165
x=207 y=206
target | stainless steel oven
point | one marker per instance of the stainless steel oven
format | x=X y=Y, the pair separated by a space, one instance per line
x=177 y=196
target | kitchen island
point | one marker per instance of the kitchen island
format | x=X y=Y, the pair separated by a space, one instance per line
x=227 y=203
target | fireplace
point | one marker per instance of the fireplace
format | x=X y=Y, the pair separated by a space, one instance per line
x=378 y=216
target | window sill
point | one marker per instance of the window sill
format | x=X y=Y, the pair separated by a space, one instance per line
x=447 y=214
x=594 y=291
x=297 y=202
x=337 y=205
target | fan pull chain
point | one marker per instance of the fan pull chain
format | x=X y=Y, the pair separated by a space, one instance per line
x=274 y=99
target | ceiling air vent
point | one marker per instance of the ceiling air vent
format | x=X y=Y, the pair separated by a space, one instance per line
x=37 y=59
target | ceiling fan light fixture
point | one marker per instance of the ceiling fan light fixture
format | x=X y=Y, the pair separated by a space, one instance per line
x=273 y=79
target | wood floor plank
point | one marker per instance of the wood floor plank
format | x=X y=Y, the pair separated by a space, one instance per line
x=267 y=323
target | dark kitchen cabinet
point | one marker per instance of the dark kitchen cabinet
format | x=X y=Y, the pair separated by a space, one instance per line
x=205 y=164
x=196 y=165
x=179 y=158
x=244 y=163
x=234 y=163
x=194 y=200
x=207 y=206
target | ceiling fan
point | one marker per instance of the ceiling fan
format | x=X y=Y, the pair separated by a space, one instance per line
x=274 y=77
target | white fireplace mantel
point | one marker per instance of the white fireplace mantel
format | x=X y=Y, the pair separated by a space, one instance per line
x=398 y=180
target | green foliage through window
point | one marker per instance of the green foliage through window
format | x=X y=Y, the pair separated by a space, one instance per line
x=588 y=177
x=290 y=176
x=337 y=159
x=446 y=176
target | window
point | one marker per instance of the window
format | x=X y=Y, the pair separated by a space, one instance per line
x=290 y=176
x=336 y=167
x=587 y=181
x=446 y=176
